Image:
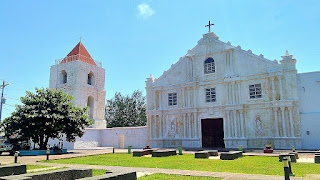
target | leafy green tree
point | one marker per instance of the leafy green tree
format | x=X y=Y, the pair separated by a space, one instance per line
x=124 y=111
x=45 y=114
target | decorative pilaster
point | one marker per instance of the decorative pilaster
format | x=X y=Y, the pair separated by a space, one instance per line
x=273 y=89
x=150 y=126
x=242 y=124
x=189 y=128
x=184 y=117
x=195 y=120
x=276 y=123
x=284 y=127
x=235 y=122
x=280 y=88
x=291 y=121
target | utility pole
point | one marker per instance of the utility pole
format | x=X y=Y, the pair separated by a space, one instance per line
x=2 y=99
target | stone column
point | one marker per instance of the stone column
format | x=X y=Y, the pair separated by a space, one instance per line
x=184 y=125
x=195 y=124
x=239 y=92
x=231 y=124
x=225 y=124
x=154 y=100
x=227 y=88
x=276 y=124
x=161 y=125
x=242 y=123
x=232 y=93
x=284 y=127
x=280 y=88
x=273 y=89
x=183 y=98
x=189 y=97
x=235 y=122
x=150 y=126
x=291 y=121
x=189 y=128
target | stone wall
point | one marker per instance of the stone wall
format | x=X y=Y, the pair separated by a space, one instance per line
x=111 y=137
x=309 y=101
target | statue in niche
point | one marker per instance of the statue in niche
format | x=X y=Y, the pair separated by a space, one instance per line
x=258 y=126
x=171 y=126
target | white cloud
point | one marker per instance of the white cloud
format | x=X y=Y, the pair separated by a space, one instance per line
x=145 y=10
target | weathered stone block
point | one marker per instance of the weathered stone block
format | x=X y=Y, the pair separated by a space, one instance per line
x=292 y=157
x=63 y=174
x=213 y=152
x=13 y=169
x=296 y=155
x=317 y=159
x=202 y=155
x=115 y=176
x=230 y=155
x=137 y=153
x=164 y=153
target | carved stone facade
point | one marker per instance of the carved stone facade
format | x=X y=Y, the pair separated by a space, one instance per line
x=257 y=99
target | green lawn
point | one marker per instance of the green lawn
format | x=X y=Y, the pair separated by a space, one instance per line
x=98 y=172
x=247 y=164
x=29 y=167
x=174 y=177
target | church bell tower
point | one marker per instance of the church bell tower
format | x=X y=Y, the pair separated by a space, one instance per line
x=79 y=75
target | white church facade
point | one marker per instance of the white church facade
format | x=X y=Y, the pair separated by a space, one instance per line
x=217 y=95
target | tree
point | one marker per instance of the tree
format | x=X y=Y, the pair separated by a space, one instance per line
x=122 y=111
x=45 y=114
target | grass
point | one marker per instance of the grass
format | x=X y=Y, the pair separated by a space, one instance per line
x=98 y=172
x=29 y=167
x=174 y=177
x=246 y=164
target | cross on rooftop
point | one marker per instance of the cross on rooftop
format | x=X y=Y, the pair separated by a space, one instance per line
x=80 y=38
x=209 y=25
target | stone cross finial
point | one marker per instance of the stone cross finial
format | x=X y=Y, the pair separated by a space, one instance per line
x=209 y=25
x=287 y=53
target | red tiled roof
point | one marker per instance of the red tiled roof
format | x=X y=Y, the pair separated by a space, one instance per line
x=79 y=52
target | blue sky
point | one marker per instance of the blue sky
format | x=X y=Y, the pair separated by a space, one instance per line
x=135 y=38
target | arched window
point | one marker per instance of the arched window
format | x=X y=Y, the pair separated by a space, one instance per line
x=209 y=66
x=91 y=78
x=64 y=77
x=90 y=104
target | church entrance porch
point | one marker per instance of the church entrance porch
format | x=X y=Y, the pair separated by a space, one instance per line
x=212 y=133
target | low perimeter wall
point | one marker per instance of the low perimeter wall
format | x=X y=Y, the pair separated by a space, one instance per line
x=120 y=137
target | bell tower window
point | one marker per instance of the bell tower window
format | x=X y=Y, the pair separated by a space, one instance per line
x=64 y=77
x=91 y=78
x=209 y=66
